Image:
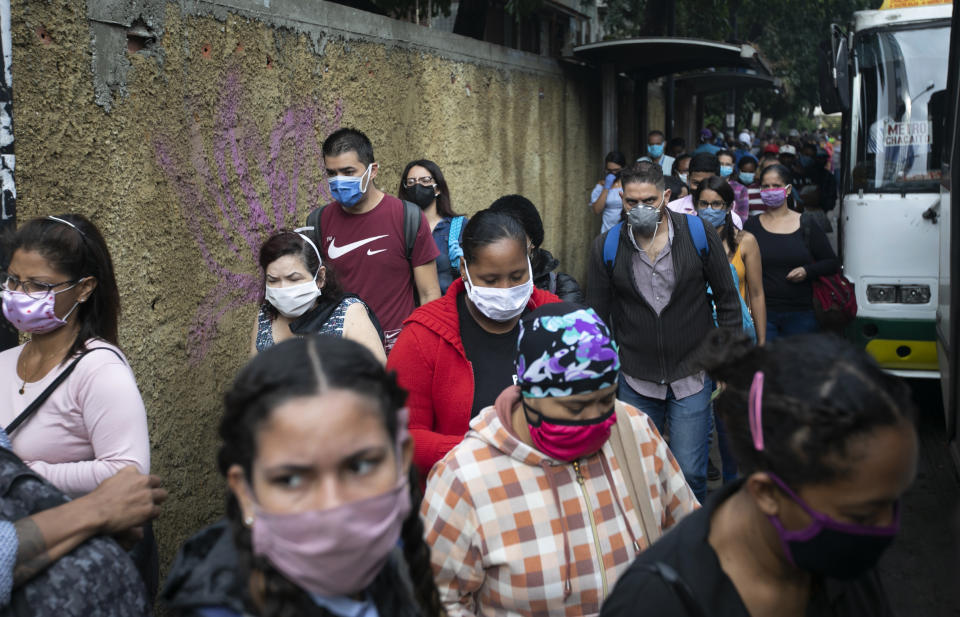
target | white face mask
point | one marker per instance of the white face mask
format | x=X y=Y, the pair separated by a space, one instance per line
x=295 y=300
x=500 y=304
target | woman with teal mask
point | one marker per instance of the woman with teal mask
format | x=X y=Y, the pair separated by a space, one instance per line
x=827 y=447
x=713 y=199
x=728 y=168
x=747 y=176
x=605 y=198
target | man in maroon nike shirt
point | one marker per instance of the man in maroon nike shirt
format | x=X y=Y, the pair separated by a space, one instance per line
x=362 y=236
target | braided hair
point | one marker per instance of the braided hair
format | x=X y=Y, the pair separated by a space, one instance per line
x=819 y=394
x=304 y=367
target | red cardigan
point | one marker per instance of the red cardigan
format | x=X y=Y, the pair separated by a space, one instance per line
x=432 y=366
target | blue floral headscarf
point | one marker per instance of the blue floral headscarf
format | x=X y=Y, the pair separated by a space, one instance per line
x=565 y=349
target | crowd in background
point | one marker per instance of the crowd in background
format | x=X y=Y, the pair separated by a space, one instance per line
x=436 y=419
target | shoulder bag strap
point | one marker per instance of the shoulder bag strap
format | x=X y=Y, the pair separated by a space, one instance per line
x=37 y=402
x=679 y=587
x=623 y=440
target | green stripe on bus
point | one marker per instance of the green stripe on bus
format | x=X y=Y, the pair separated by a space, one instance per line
x=863 y=330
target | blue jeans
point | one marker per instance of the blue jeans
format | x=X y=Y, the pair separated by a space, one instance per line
x=691 y=422
x=727 y=461
x=788 y=323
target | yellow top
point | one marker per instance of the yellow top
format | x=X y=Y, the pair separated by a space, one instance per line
x=905 y=4
x=741 y=268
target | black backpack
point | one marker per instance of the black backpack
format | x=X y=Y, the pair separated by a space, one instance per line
x=411 y=226
x=96 y=579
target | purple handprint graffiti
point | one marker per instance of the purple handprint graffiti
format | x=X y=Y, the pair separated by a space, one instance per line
x=247 y=189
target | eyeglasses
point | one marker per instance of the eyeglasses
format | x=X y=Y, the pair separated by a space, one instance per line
x=716 y=205
x=424 y=180
x=34 y=289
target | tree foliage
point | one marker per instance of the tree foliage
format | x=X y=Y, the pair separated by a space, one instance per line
x=787 y=33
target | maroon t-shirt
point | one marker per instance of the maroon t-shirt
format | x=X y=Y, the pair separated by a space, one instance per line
x=369 y=253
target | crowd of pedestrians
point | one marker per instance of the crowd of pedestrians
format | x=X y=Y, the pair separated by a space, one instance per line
x=438 y=419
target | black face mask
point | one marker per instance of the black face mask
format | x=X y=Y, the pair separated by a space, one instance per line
x=830 y=547
x=421 y=195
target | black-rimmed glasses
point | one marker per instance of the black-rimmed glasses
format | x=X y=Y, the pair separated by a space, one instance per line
x=34 y=289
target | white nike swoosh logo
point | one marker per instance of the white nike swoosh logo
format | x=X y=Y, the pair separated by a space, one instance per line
x=335 y=252
x=369 y=252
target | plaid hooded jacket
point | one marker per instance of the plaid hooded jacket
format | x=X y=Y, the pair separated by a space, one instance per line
x=514 y=532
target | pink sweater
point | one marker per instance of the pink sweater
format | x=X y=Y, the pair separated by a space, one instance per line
x=91 y=427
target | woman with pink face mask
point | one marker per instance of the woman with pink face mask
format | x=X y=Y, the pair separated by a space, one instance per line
x=557 y=486
x=68 y=398
x=321 y=509
x=794 y=251
x=60 y=291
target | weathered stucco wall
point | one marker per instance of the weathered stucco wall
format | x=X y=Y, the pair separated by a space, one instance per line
x=212 y=140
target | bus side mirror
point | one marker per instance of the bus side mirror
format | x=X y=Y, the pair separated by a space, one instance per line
x=835 y=72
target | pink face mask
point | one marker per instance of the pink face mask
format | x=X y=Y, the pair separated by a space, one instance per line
x=34 y=315
x=773 y=197
x=569 y=440
x=337 y=551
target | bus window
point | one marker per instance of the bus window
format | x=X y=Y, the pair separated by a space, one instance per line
x=902 y=75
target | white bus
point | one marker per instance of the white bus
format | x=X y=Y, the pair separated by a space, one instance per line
x=888 y=76
x=948 y=333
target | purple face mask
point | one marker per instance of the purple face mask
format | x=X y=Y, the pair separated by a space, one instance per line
x=337 y=551
x=772 y=198
x=826 y=546
x=831 y=548
x=34 y=315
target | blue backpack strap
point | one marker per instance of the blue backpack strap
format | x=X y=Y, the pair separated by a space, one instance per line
x=453 y=241
x=611 y=243
x=699 y=235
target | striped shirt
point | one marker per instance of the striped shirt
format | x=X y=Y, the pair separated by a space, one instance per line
x=753 y=198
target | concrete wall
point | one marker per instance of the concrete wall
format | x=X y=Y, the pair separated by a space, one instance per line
x=188 y=152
